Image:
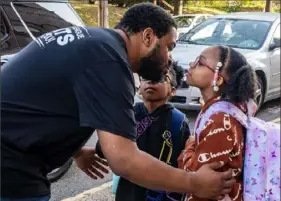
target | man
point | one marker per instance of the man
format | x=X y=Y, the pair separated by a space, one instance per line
x=68 y=83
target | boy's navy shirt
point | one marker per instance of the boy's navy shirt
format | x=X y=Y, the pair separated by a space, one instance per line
x=153 y=137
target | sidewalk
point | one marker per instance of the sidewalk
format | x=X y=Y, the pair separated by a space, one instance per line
x=103 y=192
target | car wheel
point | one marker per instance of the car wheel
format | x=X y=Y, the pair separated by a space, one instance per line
x=259 y=93
x=57 y=173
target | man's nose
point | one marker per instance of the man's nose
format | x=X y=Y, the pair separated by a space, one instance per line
x=169 y=61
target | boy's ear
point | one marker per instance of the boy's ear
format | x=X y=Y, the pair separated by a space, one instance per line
x=173 y=91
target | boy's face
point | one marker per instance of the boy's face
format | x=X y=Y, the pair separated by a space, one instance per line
x=159 y=91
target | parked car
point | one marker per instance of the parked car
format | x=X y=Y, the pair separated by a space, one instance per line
x=188 y=21
x=21 y=21
x=256 y=35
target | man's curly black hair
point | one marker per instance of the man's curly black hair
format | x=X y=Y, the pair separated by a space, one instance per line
x=146 y=15
x=177 y=73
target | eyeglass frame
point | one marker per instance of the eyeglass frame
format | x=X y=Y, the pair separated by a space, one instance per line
x=197 y=62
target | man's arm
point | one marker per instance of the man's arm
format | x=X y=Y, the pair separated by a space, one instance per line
x=126 y=160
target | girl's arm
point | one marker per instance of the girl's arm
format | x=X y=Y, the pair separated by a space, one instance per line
x=185 y=145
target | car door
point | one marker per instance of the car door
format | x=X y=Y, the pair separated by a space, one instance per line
x=274 y=56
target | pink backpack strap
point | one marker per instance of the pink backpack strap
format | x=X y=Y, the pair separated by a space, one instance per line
x=225 y=107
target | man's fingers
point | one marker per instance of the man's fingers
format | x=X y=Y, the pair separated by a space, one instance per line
x=90 y=174
x=227 y=175
x=101 y=160
x=226 y=191
x=216 y=165
x=229 y=183
x=100 y=167
x=96 y=172
x=220 y=197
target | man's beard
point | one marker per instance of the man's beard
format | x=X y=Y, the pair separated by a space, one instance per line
x=152 y=66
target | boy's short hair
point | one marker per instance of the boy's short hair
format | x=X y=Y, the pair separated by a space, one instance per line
x=177 y=73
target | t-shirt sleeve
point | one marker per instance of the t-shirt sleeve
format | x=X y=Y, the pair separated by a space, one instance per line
x=105 y=96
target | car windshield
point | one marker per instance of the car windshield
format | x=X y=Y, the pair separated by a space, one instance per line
x=43 y=17
x=184 y=21
x=237 y=33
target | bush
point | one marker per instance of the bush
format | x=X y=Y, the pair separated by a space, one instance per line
x=89 y=14
x=233 y=6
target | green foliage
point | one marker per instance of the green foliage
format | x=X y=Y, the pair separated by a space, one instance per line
x=234 y=5
x=89 y=14
x=194 y=10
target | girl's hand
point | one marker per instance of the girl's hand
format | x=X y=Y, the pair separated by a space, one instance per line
x=191 y=138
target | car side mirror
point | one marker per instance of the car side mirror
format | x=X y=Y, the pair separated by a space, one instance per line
x=275 y=44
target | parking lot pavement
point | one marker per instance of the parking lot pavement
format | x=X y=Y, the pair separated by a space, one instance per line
x=101 y=193
x=76 y=182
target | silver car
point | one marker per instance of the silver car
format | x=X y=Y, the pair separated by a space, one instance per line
x=187 y=21
x=255 y=35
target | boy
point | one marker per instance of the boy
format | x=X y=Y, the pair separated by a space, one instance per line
x=161 y=131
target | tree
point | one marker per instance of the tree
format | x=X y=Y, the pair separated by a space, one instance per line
x=267 y=6
x=103 y=13
x=178 y=4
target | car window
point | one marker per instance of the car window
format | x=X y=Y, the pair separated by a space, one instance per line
x=4 y=32
x=43 y=17
x=200 y=19
x=184 y=21
x=205 y=32
x=239 y=33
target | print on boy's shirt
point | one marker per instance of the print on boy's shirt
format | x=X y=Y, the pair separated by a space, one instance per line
x=166 y=147
x=144 y=124
x=167 y=150
x=161 y=196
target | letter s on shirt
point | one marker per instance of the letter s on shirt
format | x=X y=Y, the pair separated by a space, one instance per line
x=63 y=40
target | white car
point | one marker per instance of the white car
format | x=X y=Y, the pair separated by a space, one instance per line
x=255 y=35
x=188 y=21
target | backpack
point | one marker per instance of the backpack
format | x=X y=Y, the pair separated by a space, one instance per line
x=177 y=119
x=261 y=177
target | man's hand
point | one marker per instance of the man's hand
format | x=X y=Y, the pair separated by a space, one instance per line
x=209 y=183
x=126 y=160
x=88 y=161
x=201 y=101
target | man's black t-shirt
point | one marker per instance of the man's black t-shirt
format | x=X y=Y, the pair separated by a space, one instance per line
x=55 y=93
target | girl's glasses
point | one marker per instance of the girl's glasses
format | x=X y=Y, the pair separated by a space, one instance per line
x=199 y=62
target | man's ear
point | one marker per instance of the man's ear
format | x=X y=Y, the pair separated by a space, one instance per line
x=148 y=37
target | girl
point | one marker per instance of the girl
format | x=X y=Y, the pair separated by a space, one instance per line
x=221 y=73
